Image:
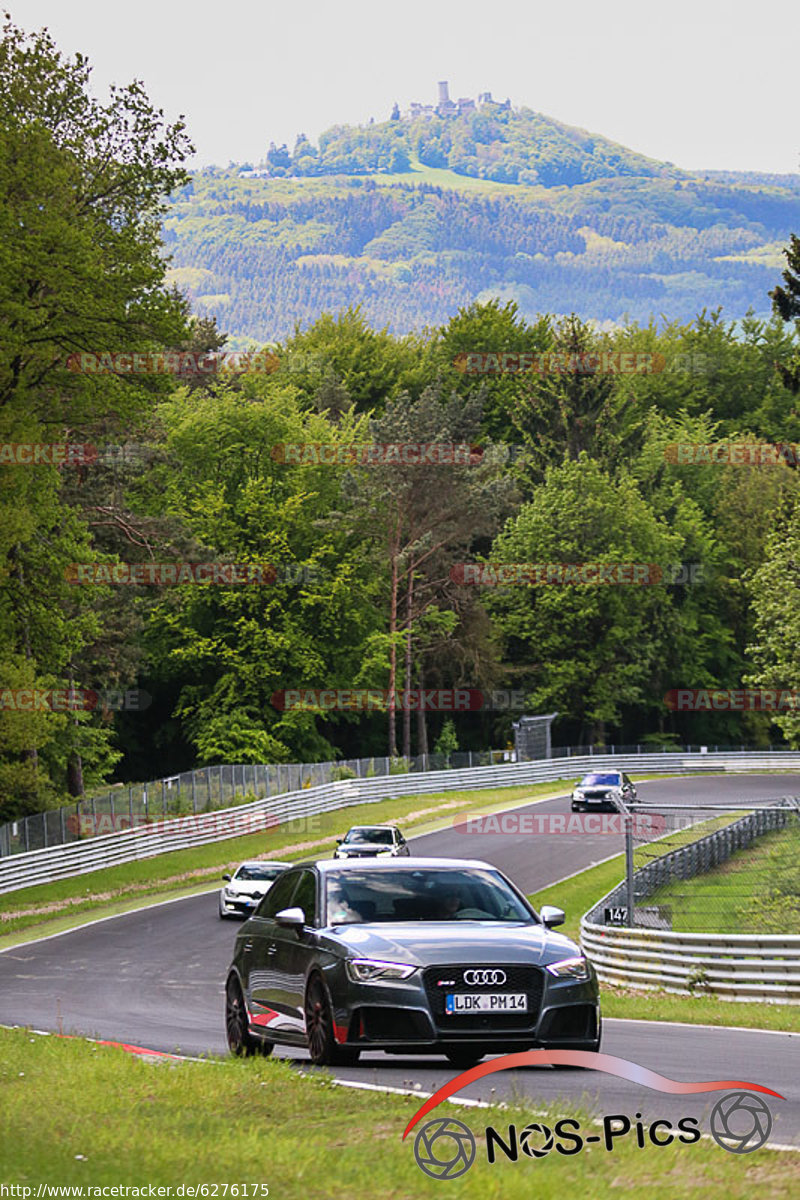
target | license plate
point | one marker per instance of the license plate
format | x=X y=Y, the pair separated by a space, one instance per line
x=467 y=1002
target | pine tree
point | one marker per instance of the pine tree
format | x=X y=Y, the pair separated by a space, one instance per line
x=786 y=303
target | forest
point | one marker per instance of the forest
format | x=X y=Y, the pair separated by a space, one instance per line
x=161 y=536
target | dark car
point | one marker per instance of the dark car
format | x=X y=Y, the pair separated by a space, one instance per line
x=602 y=789
x=367 y=841
x=441 y=956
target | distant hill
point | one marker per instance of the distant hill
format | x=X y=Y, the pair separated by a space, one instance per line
x=414 y=218
x=495 y=143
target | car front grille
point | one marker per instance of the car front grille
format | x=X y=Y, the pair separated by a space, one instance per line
x=519 y=978
x=595 y=795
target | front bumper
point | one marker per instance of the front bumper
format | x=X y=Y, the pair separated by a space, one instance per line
x=409 y=1016
x=239 y=906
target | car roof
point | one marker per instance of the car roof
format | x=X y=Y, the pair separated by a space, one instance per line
x=373 y=827
x=394 y=864
x=263 y=862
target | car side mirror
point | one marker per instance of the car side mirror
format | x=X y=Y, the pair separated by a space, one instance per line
x=227 y=877
x=550 y=915
x=339 y=841
x=291 y=918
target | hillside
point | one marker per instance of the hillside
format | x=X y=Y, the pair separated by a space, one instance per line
x=403 y=219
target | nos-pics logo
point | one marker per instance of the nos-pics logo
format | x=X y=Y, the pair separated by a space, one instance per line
x=445 y=1148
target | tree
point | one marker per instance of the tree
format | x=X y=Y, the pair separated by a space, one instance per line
x=775 y=593
x=587 y=650
x=786 y=303
x=226 y=653
x=490 y=328
x=570 y=407
x=82 y=194
x=422 y=516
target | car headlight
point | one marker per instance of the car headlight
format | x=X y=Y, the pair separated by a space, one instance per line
x=372 y=970
x=384 y=854
x=577 y=794
x=228 y=893
x=570 y=968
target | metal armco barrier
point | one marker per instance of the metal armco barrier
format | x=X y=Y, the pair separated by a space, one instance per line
x=145 y=841
x=731 y=966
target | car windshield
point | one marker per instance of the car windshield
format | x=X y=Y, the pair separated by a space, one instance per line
x=421 y=894
x=258 y=871
x=377 y=837
x=610 y=780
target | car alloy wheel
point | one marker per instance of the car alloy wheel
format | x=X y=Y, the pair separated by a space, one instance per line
x=322 y=1046
x=240 y=1040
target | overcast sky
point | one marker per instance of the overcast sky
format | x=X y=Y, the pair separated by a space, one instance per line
x=696 y=82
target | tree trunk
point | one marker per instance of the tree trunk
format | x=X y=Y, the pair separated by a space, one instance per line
x=408 y=677
x=394 y=551
x=75 y=775
x=422 y=719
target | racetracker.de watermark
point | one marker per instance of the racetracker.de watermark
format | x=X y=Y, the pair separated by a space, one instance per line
x=731 y=700
x=26 y=700
x=214 y=824
x=370 y=454
x=448 y=700
x=50 y=454
x=739 y=454
x=543 y=824
x=172 y=362
x=556 y=574
x=605 y=362
x=171 y=574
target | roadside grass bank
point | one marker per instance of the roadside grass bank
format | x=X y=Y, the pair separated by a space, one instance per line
x=578 y=894
x=66 y=903
x=756 y=891
x=119 y=1120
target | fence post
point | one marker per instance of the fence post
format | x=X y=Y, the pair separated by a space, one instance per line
x=629 y=866
x=194 y=794
x=130 y=804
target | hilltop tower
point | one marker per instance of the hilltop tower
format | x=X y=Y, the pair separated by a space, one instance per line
x=444 y=93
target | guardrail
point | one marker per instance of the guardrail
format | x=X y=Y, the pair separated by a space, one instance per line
x=214 y=788
x=731 y=966
x=160 y=837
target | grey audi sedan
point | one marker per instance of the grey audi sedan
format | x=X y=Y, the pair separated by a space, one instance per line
x=425 y=956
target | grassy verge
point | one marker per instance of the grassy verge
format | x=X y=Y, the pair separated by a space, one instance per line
x=577 y=895
x=65 y=903
x=77 y=1114
x=756 y=890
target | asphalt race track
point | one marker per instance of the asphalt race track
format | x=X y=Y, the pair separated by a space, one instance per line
x=154 y=978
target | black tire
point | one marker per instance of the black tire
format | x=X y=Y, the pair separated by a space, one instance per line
x=322 y=1045
x=464 y=1058
x=240 y=1040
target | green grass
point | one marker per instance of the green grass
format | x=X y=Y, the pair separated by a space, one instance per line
x=77 y=1114
x=756 y=891
x=65 y=903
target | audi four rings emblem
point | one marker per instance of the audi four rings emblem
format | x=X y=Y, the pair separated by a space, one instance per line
x=484 y=978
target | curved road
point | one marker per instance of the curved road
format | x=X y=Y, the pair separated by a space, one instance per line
x=155 y=978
